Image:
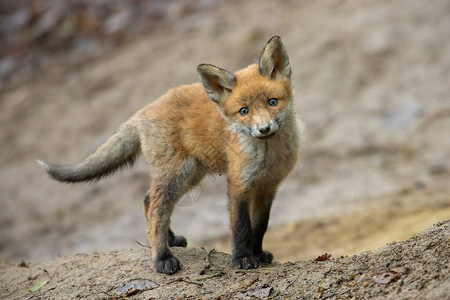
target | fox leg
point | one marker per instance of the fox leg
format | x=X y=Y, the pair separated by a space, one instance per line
x=165 y=190
x=260 y=211
x=243 y=256
x=179 y=240
x=174 y=240
x=158 y=224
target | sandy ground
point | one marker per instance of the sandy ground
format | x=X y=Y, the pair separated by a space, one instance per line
x=371 y=82
x=416 y=269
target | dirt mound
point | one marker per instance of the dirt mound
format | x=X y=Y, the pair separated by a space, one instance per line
x=416 y=268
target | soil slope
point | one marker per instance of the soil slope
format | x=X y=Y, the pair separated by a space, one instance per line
x=418 y=268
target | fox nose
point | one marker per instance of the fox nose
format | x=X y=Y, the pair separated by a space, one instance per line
x=264 y=129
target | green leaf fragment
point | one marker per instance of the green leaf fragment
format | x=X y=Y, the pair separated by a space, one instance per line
x=38 y=286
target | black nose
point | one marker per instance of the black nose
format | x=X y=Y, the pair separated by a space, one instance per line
x=265 y=129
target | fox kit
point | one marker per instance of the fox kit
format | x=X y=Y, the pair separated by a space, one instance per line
x=249 y=131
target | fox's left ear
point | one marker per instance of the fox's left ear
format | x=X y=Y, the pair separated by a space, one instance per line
x=274 y=60
x=218 y=83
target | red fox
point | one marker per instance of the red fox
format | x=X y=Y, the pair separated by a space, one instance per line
x=249 y=131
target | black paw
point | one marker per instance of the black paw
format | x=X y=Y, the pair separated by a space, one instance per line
x=246 y=262
x=265 y=257
x=178 y=241
x=167 y=264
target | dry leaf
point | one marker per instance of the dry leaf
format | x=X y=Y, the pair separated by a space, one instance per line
x=387 y=277
x=323 y=257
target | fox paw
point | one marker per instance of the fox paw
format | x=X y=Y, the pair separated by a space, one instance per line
x=167 y=263
x=246 y=262
x=265 y=257
x=178 y=241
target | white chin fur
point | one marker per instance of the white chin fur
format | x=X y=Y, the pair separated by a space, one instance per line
x=274 y=126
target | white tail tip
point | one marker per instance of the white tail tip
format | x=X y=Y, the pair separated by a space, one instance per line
x=43 y=164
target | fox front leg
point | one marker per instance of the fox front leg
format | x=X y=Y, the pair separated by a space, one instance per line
x=260 y=212
x=243 y=256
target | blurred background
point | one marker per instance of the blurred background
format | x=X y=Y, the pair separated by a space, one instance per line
x=372 y=85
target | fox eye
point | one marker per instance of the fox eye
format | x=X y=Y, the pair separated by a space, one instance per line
x=273 y=101
x=243 y=111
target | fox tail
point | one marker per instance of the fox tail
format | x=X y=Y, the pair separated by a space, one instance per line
x=119 y=151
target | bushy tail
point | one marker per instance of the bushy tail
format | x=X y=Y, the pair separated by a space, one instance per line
x=119 y=151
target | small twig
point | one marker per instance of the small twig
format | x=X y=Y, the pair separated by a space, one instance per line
x=108 y=294
x=198 y=280
x=48 y=273
x=208 y=262
x=47 y=290
x=249 y=271
x=344 y=292
x=329 y=296
x=218 y=274
x=142 y=245
x=290 y=283
x=193 y=282
x=250 y=283
x=185 y=280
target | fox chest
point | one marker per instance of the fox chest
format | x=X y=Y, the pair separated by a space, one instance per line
x=269 y=162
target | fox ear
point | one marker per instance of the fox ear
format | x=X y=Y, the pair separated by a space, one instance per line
x=274 y=60
x=216 y=81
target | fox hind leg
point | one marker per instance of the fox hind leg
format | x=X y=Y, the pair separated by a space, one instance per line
x=193 y=180
x=158 y=221
x=164 y=192
x=174 y=240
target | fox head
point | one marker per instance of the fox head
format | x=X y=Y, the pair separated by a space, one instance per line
x=254 y=100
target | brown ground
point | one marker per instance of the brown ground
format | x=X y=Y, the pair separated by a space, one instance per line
x=371 y=82
x=420 y=269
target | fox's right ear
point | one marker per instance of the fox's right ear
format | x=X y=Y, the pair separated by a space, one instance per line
x=216 y=81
